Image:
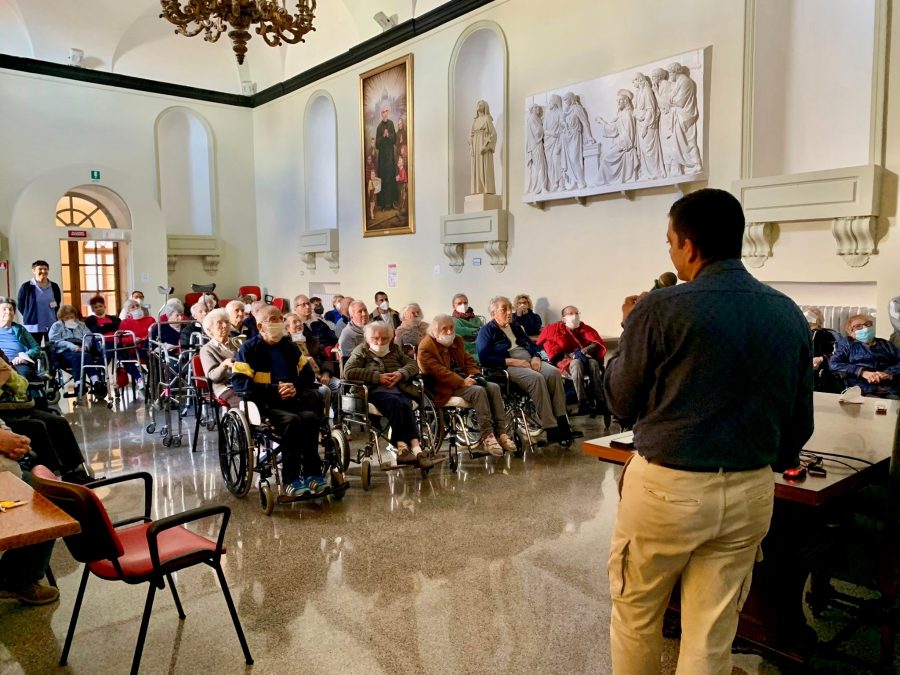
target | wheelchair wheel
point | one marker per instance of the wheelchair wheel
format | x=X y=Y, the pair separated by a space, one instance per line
x=341 y=448
x=151 y=428
x=167 y=441
x=54 y=395
x=365 y=473
x=266 y=499
x=431 y=425
x=236 y=453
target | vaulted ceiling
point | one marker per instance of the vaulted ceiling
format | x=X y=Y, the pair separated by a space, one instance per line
x=129 y=38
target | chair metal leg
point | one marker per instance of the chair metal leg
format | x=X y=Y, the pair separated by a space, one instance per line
x=50 y=578
x=234 y=616
x=175 y=596
x=142 y=634
x=196 y=429
x=65 y=652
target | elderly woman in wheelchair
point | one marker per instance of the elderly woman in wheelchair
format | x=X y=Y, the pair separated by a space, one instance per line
x=271 y=372
x=387 y=373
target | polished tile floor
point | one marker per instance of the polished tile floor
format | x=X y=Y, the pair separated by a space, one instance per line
x=497 y=568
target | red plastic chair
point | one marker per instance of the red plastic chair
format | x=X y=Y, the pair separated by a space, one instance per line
x=136 y=550
x=223 y=302
x=203 y=386
x=281 y=304
x=244 y=290
x=190 y=300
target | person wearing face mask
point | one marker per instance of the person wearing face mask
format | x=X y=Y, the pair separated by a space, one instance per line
x=577 y=350
x=272 y=372
x=387 y=370
x=894 y=313
x=135 y=320
x=452 y=371
x=383 y=311
x=411 y=329
x=319 y=310
x=867 y=362
x=334 y=314
x=466 y=323
x=525 y=316
x=66 y=337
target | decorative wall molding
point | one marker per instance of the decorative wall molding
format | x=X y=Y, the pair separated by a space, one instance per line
x=758 y=241
x=204 y=246
x=324 y=241
x=849 y=197
x=488 y=228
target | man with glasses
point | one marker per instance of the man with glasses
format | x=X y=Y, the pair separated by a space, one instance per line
x=868 y=362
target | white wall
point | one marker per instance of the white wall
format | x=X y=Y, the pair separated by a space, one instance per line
x=321 y=162
x=183 y=149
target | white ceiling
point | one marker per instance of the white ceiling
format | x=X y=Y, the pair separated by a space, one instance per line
x=128 y=37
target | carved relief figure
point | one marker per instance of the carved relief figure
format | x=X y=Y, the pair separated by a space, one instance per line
x=482 y=141
x=552 y=145
x=620 y=161
x=659 y=79
x=385 y=138
x=646 y=118
x=535 y=161
x=683 y=101
x=576 y=127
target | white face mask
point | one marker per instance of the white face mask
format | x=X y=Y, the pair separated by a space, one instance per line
x=384 y=306
x=379 y=350
x=275 y=330
x=70 y=323
x=572 y=321
x=462 y=308
x=247 y=307
x=298 y=337
x=136 y=314
x=446 y=340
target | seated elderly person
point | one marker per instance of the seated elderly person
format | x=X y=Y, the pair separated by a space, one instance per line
x=16 y=343
x=451 y=371
x=302 y=337
x=824 y=343
x=211 y=300
x=303 y=307
x=168 y=331
x=387 y=370
x=334 y=314
x=868 y=362
x=352 y=335
x=504 y=344
x=66 y=339
x=272 y=372
x=343 y=315
x=189 y=328
x=577 y=350
x=217 y=355
x=894 y=313
x=101 y=322
x=237 y=312
x=466 y=323
x=250 y=318
x=525 y=316
x=411 y=329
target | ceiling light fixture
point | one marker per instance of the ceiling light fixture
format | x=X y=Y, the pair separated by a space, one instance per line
x=212 y=17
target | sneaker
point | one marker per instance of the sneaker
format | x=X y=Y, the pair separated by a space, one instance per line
x=493 y=446
x=316 y=484
x=507 y=443
x=297 y=489
x=31 y=594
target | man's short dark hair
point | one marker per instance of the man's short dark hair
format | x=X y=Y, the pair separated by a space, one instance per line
x=713 y=220
x=380 y=293
x=40 y=263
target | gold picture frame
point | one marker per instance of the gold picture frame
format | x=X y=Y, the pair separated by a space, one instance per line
x=386 y=143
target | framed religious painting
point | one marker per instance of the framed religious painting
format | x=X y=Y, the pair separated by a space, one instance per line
x=386 y=124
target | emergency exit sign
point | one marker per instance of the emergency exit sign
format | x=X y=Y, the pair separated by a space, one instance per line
x=95 y=175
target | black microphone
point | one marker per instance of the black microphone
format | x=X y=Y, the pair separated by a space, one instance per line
x=665 y=280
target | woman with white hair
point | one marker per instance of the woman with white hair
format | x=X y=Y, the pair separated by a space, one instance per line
x=198 y=313
x=168 y=330
x=411 y=329
x=443 y=356
x=383 y=366
x=217 y=355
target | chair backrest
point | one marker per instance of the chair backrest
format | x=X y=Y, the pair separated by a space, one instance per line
x=255 y=290
x=281 y=304
x=190 y=300
x=98 y=539
x=223 y=302
x=198 y=376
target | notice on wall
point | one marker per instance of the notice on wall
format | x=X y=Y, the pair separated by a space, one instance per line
x=392 y=275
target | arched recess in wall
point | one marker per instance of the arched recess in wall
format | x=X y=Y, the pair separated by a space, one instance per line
x=478 y=71
x=320 y=161
x=186 y=172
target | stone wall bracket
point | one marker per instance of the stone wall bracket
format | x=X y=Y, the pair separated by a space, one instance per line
x=488 y=228
x=759 y=238
x=856 y=239
x=326 y=242
x=206 y=247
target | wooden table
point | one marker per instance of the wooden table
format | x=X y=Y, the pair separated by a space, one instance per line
x=38 y=520
x=772 y=620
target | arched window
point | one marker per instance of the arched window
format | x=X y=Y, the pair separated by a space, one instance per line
x=75 y=210
x=186 y=176
x=320 y=152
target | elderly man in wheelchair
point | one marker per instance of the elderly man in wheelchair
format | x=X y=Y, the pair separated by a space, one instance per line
x=272 y=372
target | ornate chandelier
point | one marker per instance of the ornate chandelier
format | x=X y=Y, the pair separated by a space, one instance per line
x=212 y=17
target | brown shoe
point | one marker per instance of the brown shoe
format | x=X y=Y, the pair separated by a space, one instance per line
x=31 y=594
x=507 y=443
x=424 y=462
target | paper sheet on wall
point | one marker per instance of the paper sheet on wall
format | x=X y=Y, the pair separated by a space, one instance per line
x=392 y=275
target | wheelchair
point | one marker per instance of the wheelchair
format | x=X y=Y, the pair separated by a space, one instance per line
x=168 y=389
x=56 y=377
x=521 y=414
x=248 y=444
x=356 y=410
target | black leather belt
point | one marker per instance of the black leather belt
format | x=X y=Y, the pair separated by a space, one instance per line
x=700 y=469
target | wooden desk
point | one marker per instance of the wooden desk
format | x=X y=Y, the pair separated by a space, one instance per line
x=772 y=620
x=37 y=521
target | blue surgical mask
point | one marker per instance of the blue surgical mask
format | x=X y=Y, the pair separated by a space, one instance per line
x=865 y=334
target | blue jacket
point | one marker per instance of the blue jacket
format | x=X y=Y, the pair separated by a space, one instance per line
x=852 y=357
x=493 y=346
x=24 y=337
x=252 y=371
x=529 y=321
x=27 y=305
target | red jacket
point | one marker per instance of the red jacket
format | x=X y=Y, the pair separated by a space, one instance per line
x=559 y=341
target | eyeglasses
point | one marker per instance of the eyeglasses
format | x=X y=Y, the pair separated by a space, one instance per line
x=857 y=326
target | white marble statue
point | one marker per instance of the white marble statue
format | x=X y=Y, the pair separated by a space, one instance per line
x=683 y=102
x=553 y=145
x=535 y=160
x=646 y=118
x=620 y=161
x=482 y=141
x=576 y=130
x=662 y=87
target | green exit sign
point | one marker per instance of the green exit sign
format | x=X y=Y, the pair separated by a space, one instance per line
x=95 y=175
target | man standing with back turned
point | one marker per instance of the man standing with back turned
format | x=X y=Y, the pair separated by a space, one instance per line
x=697 y=495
